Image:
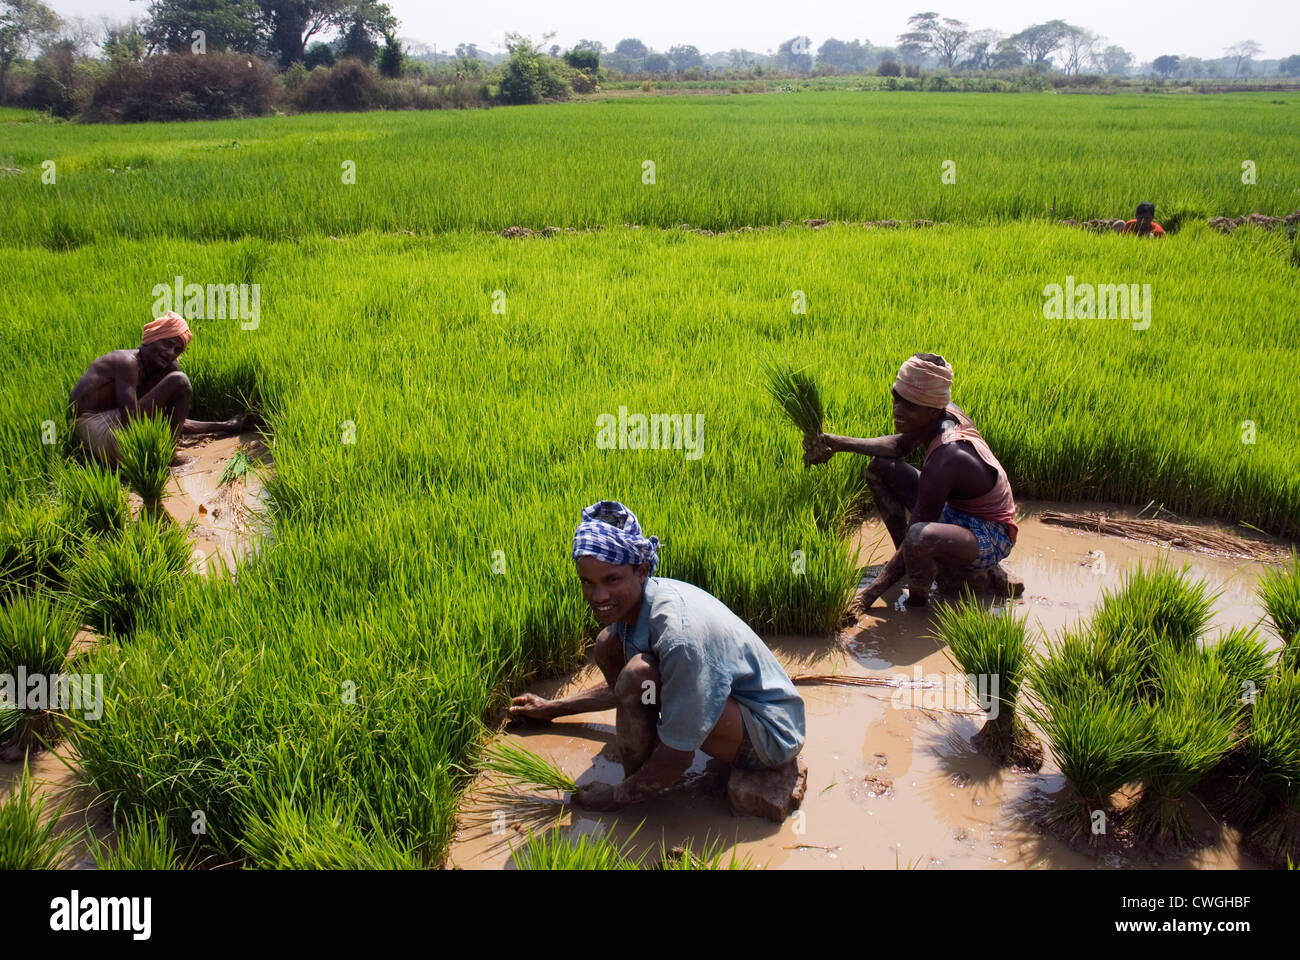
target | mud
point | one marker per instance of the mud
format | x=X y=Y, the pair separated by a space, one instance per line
x=894 y=781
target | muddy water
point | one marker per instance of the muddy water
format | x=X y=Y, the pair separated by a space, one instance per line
x=893 y=781
x=228 y=519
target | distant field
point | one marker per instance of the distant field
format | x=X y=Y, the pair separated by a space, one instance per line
x=719 y=162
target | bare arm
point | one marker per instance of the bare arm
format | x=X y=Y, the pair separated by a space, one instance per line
x=892 y=446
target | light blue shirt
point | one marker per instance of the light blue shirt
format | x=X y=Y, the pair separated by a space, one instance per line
x=705 y=655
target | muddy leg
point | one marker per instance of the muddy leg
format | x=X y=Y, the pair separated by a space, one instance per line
x=636 y=718
x=929 y=544
x=893 y=484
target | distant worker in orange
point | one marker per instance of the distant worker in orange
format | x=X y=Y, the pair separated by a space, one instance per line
x=1144 y=224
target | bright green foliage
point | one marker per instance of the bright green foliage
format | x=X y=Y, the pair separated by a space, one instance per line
x=147 y=446
x=36 y=633
x=30 y=838
x=121 y=583
x=145 y=843
x=94 y=503
x=1279 y=590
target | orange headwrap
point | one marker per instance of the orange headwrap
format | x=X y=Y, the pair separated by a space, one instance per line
x=924 y=383
x=169 y=325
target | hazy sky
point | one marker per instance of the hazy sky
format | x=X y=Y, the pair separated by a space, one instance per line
x=1148 y=28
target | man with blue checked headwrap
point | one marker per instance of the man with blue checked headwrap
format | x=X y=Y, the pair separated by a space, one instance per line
x=682 y=671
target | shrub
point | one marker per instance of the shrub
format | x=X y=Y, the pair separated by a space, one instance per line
x=889 y=68
x=185 y=87
x=529 y=76
x=350 y=85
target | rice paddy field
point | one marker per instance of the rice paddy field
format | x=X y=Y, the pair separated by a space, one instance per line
x=433 y=390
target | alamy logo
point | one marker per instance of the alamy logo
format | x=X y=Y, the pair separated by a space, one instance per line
x=55 y=691
x=75 y=913
x=211 y=301
x=658 y=431
x=1105 y=301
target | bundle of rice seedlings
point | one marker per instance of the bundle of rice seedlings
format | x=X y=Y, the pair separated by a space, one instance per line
x=1099 y=738
x=797 y=395
x=34 y=547
x=708 y=857
x=1279 y=591
x=145 y=843
x=1113 y=662
x=526 y=768
x=120 y=583
x=996 y=650
x=147 y=447
x=10 y=719
x=1155 y=607
x=94 y=503
x=1270 y=788
x=555 y=850
x=236 y=468
x=1192 y=728
x=30 y=840
x=35 y=636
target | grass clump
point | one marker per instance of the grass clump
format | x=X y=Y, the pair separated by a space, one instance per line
x=121 y=583
x=28 y=839
x=1269 y=798
x=997 y=649
x=1192 y=728
x=288 y=837
x=94 y=503
x=1279 y=591
x=556 y=850
x=145 y=843
x=1099 y=738
x=36 y=634
x=34 y=547
x=708 y=857
x=147 y=446
x=528 y=769
x=1155 y=607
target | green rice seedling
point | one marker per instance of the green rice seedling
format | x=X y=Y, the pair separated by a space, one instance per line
x=708 y=857
x=995 y=654
x=36 y=633
x=1100 y=740
x=526 y=768
x=797 y=395
x=30 y=839
x=147 y=447
x=1269 y=798
x=10 y=719
x=1192 y=727
x=1279 y=591
x=1243 y=657
x=121 y=583
x=291 y=838
x=145 y=843
x=556 y=850
x=94 y=502
x=1109 y=661
x=237 y=467
x=34 y=547
x=1155 y=606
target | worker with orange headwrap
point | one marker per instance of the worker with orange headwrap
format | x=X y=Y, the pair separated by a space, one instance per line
x=957 y=511
x=144 y=382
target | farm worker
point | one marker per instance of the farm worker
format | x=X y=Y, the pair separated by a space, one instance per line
x=129 y=383
x=681 y=670
x=1144 y=223
x=957 y=511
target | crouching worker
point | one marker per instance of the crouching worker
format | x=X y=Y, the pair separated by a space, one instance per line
x=682 y=671
x=956 y=512
x=144 y=382
x=1144 y=222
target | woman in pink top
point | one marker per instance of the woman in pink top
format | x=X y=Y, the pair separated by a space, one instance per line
x=956 y=511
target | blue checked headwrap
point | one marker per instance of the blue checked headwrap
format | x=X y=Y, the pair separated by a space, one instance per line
x=609 y=531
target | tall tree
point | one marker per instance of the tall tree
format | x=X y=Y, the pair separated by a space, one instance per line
x=929 y=34
x=684 y=56
x=1116 y=61
x=981 y=49
x=1078 y=49
x=225 y=25
x=632 y=48
x=1240 y=52
x=1166 y=65
x=291 y=23
x=794 y=55
x=24 y=24
x=1039 y=41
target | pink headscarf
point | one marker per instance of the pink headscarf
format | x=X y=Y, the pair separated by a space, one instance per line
x=924 y=383
x=169 y=325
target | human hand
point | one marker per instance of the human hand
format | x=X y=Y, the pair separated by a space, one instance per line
x=816 y=449
x=596 y=796
x=530 y=706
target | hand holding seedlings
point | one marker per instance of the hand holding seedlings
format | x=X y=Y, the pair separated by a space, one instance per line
x=597 y=796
